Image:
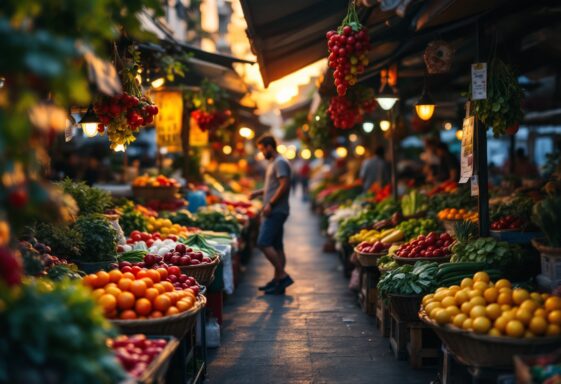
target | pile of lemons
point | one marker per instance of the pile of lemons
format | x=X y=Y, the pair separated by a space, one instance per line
x=165 y=227
x=495 y=309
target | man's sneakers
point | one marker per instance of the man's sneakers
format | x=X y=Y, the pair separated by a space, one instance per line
x=269 y=285
x=278 y=288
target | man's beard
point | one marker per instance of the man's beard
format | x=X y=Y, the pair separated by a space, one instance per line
x=268 y=155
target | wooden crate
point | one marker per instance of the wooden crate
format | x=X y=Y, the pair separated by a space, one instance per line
x=399 y=336
x=368 y=291
x=423 y=346
x=383 y=317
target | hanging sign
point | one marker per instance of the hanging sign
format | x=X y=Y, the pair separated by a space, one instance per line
x=479 y=81
x=197 y=137
x=474 y=186
x=169 y=120
x=467 y=159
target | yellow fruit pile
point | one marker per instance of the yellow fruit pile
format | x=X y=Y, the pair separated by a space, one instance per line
x=495 y=309
x=165 y=227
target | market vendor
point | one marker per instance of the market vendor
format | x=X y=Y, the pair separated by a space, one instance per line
x=275 y=212
x=374 y=169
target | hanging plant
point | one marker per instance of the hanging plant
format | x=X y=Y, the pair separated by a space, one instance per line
x=321 y=128
x=347 y=50
x=348 y=111
x=121 y=116
x=502 y=109
x=210 y=106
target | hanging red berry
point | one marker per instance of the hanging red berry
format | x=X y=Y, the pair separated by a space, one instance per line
x=348 y=47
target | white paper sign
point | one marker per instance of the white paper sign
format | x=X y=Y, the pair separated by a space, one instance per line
x=479 y=81
x=474 y=186
x=466 y=161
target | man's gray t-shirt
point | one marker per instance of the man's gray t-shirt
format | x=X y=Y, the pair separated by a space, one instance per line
x=374 y=170
x=277 y=168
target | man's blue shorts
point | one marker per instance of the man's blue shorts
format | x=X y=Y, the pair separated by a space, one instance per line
x=272 y=230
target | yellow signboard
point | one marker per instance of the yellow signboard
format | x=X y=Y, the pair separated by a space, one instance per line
x=197 y=137
x=169 y=120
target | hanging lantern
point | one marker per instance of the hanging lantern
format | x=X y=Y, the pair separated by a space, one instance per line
x=387 y=96
x=425 y=106
x=89 y=122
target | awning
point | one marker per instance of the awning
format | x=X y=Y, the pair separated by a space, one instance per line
x=290 y=34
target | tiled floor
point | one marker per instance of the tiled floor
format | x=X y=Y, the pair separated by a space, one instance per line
x=316 y=333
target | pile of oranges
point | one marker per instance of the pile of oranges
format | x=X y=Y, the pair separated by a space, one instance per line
x=495 y=309
x=145 y=295
x=457 y=214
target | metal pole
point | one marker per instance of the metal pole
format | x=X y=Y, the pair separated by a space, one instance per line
x=481 y=153
x=393 y=160
x=511 y=154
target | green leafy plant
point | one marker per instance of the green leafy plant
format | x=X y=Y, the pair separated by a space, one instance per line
x=90 y=200
x=418 y=279
x=498 y=254
x=465 y=230
x=503 y=107
x=54 y=333
x=100 y=239
x=546 y=215
x=65 y=241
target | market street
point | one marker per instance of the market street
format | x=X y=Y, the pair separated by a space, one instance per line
x=314 y=334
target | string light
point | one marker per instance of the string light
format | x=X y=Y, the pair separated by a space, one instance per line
x=448 y=126
x=353 y=137
x=227 y=149
x=306 y=154
x=158 y=82
x=360 y=150
x=247 y=133
x=459 y=134
x=318 y=154
x=341 y=152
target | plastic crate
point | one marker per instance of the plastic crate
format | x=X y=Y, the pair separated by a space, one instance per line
x=551 y=269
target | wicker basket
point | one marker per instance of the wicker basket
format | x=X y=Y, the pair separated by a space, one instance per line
x=481 y=351
x=176 y=325
x=154 y=193
x=203 y=273
x=369 y=259
x=413 y=260
x=406 y=307
x=157 y=370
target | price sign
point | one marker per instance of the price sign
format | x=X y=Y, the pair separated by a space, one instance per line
x=479 y=81
x=466 y=161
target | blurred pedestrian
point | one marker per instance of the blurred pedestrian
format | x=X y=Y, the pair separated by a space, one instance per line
x=374 y=169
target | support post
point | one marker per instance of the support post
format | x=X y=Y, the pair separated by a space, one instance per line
x=185 y=129
x=481 y=153
x=512 y=154
x=393 y=159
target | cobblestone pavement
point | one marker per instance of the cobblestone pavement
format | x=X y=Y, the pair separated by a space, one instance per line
x=316 y=333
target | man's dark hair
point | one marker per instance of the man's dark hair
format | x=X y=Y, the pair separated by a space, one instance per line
x=266 y=140
x=380 y=151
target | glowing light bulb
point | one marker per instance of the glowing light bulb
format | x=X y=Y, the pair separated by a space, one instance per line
x=341 y=152
x=448 y=126
x=385 y=125
x=306 y=154
x=318 y=153
x=119 y=148
x=424 y=111
x=227 y=149
x=281 y=148
x=158 y=82
x=247 y=133
x=360 y=150
x=353 y=137
x=459 y=134
x=368 y=126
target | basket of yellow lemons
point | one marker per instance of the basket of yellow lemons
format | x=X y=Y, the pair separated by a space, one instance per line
x=485 y=323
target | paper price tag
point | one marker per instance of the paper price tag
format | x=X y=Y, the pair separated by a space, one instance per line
x=479 y=81
x=474 y=186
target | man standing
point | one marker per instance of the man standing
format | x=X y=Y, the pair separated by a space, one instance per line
x=275 y=212
x=374 y=170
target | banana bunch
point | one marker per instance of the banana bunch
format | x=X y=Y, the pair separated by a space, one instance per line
x=369 y=235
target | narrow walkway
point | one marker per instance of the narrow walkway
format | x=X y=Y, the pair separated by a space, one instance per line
x=314 y=334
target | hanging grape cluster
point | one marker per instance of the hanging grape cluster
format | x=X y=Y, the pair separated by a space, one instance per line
x=348 y=111
x=347 y=50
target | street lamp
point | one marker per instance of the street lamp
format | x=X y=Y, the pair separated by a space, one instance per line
x=89 y=122
x=368 y=126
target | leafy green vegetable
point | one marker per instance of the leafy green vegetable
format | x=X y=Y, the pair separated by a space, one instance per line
x=90 y=200
x=199 y=242
x=460 y=199
x=366 y=219
x=55 y=332
x=503 y=106
x=100 y=239
x=65 y=241
x=418 y=279
x=413 y=203
x=498 y=254
x=62 y=271
x=546 y=214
